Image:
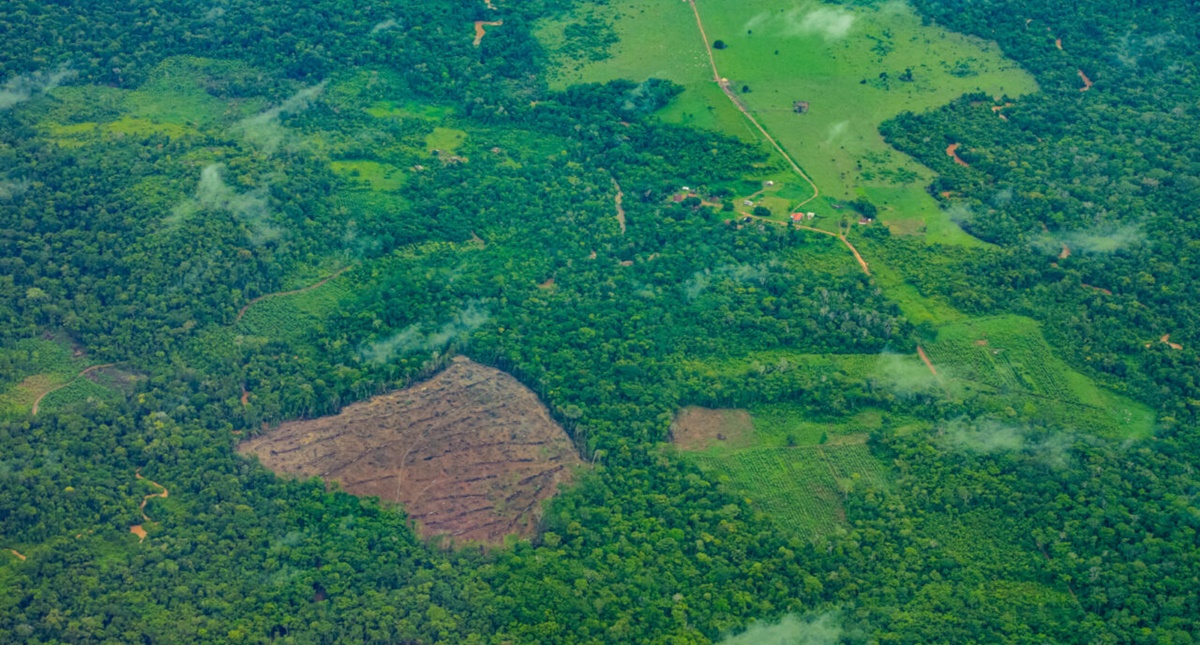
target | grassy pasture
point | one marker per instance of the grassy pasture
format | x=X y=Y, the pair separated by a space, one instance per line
x=378 y=176
x=1007 y=360
x=850 y=63
x=797 y=469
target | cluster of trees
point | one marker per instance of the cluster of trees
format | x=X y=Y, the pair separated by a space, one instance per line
x=515 y=257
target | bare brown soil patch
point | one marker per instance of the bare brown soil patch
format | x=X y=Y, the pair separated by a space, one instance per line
x=696 y=428
x=952 y=152
x=548 y=284
x=620 y=207
x=1166 y=340
x=1087 y=82
x=480 y=32
x=18 y=554
x=1095 y=288
x=138 y=529
x=925 y=359
x=1065 y=253
x=470 y=453
x=1058 y=43
x=999 y=110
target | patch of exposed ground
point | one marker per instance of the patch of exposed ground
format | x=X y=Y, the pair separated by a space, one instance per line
x=18 y=554
x=470 y=453
x=952 y=152
x=619 y=199
x=138 y=529
x=925 y=359
x=480 y=32
x=1087 y=82
x=696 y=428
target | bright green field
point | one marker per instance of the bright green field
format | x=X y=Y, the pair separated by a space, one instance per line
x=798 y=470
x=806 y=51
x=1006 y=360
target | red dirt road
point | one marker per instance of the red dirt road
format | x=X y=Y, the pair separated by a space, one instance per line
x=1087 y=82
x=138 y=529
x=480 y=32
x=952 y=152
x=925 y=358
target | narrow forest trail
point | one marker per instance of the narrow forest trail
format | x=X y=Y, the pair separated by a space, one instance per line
x=480 y=32
x=619 y=200
x=1087 y=82
x=952 y=152
x=925 y=358
x=293 y=292
x=138 y=529
x=729 y=93
x=38 y=401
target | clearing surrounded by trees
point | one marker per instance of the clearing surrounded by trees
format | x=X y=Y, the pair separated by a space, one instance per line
x=470 y=453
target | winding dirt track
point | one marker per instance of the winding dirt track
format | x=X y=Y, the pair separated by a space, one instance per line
x=952 y=152
x=138 y=529
x=925 y=358
x=480 y=32
x=857 y=256
x=18 y=554
x=289 y=293
x=38 y=401
x=724 y=85
x=1087 y=82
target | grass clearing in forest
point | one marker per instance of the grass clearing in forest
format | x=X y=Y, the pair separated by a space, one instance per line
x=855 y=67
x=792 y=467
x=1008 y=363
x=377 y=176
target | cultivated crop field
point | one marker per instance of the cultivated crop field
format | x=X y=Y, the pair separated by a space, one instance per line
x=1008 y=359
x=793 y=468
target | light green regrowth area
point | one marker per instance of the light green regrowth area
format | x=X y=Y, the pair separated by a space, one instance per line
x=856 y=67
x=1006 y=360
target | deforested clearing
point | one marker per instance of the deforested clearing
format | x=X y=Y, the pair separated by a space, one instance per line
x=697 y=428
x=470 y=453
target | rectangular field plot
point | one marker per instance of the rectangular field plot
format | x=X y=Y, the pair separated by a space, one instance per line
x=855 y=466
x=795 y=486
x=1008 y=359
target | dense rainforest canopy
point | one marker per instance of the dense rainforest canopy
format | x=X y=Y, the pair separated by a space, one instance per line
x=168 y=168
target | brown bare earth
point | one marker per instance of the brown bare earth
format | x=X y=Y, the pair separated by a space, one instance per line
x=698 y=428
x=18 y=554
x=138 y=529
x=1095 y=288
x=470 y=453
x=620 y=207
x=925 y=359
x=1065 y=253
x=1166 y=340
x=1087 y=82
x=480 y=32
x=952 y=152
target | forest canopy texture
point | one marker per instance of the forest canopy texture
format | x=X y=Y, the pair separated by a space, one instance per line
x=216 y=217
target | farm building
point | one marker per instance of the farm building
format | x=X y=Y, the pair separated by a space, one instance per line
x=800 y=107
